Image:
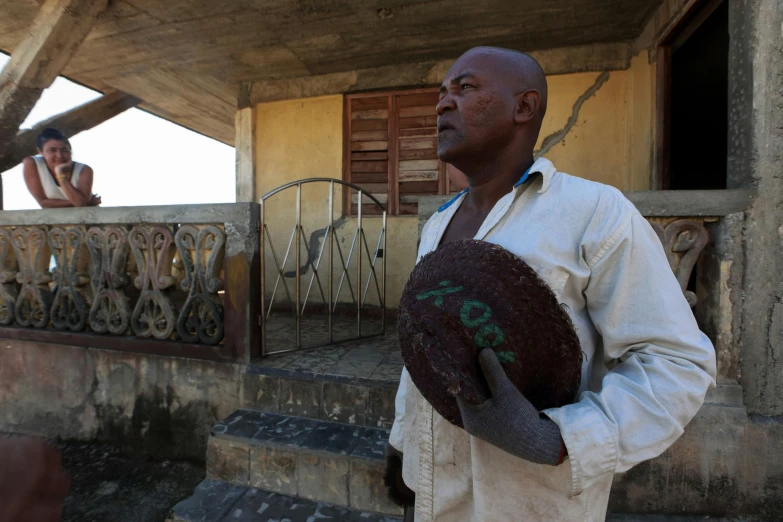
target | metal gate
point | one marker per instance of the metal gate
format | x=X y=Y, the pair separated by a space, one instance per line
x=330 y=246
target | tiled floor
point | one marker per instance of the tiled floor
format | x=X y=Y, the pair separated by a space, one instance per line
x=376 y=358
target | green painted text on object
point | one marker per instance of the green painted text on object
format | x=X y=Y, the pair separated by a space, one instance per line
x=467 y=308
x=438 y=293
x=506 y=357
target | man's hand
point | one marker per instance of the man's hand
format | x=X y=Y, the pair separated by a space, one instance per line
x=33 y=484
x=508 y=420
x=399 y=493
x=94 y=201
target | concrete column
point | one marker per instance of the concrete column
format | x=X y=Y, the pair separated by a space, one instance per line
x=756 y=160
x=245 y=144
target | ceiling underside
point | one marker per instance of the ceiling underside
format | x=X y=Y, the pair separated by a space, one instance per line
x=185 y=59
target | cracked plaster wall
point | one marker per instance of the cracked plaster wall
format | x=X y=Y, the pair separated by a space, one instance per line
x=599 y=126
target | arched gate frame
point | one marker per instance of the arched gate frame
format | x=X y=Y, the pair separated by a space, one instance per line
x=330 y=240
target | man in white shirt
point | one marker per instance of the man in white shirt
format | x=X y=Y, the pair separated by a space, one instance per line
x=646 y=369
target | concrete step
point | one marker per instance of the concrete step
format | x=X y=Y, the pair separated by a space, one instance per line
x=613 y=517
x=216 y=501
x=308 y=387
x=312 y=459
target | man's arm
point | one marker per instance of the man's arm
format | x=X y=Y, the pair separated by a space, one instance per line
x=666 y=364
x=33 y=183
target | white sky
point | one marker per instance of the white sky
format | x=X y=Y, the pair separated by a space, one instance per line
x=138 y=158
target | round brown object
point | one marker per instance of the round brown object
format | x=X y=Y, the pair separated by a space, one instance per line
x=471 y=295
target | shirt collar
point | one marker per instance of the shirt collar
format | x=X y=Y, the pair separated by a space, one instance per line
x=541 y=166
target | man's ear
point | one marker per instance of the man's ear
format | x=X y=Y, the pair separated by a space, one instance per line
x=527 y=106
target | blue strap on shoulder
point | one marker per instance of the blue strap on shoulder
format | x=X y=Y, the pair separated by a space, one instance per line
x=451 y=201
x=524 y=177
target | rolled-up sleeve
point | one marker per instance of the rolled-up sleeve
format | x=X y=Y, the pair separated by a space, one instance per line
x=664 y=363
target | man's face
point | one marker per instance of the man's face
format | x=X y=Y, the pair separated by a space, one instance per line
x=475 y=112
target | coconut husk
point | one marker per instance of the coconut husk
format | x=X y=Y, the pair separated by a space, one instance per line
x=471 y=295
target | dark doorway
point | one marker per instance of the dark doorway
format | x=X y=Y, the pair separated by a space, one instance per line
x=699 y=101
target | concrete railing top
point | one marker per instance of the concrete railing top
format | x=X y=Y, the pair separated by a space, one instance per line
x=656 y=203
x=180 y=214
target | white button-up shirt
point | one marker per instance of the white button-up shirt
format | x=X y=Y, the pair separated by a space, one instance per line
x=646 y=370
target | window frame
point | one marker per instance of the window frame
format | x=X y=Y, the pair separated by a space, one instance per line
x=680 y=28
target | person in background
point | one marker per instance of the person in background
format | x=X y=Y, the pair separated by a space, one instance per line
x=54 y=179
x=33 y=484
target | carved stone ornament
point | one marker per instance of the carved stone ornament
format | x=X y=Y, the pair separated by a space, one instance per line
x=153 y=249
x=201 y=251
x=109 y=251
x=8 y=271
x=683 y=240
x=70 y=309
x=32 y=255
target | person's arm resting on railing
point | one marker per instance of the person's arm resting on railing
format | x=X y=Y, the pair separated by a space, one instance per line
x=77 y=196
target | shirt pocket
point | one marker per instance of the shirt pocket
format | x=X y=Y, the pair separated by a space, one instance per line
x=555 y=278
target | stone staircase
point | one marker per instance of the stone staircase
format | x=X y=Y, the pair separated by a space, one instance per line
x=307 y=445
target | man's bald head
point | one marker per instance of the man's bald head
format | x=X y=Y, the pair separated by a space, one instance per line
x=493 y=101
x=520 y=70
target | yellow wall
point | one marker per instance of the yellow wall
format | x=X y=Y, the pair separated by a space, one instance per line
x=610 y=142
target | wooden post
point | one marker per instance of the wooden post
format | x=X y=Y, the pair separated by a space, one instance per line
x=57 y=32
x=70 y=123
x=245 y=145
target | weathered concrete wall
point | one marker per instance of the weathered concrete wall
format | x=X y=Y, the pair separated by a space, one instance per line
x=719 y=289
x=159 y=405
x=725 y=464
x=598 y=57
x=756 y=159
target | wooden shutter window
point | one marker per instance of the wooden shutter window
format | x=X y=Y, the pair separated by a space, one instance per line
x=367 y=161
x=391 y=150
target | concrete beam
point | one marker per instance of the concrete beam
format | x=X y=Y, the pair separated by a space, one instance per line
x=70 y=123
x=55 y=35
x=564 y=60
x=245 y=145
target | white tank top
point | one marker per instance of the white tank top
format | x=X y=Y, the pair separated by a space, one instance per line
x=51 y=188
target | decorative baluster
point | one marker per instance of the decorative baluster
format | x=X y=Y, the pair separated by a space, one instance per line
x=72 y=298
x=109 y=251
x=154 y=251
x=201 y=251
x=35 y=299
x=683 y=241
x=8 y=271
